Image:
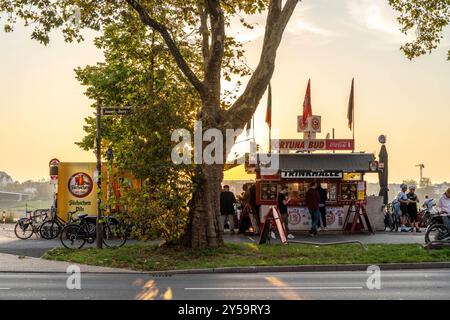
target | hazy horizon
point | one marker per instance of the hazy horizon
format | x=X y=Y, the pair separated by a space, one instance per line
x=42 y=105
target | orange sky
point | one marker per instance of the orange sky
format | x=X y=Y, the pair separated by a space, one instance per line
x=42 y=106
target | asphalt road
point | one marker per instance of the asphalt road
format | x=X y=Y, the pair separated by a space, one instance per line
x=417 y=284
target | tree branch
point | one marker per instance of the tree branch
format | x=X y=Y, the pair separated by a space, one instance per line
x=214 y=65
x=175 y=52
x=244 y=107
x=204 y=32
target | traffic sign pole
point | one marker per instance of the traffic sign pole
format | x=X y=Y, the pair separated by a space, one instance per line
x=99 y=229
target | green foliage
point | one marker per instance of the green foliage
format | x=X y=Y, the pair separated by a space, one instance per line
x=427 y=18
x=138 y=72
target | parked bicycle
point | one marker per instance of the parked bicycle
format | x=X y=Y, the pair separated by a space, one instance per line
x=27 y=226
x=51 y=228
x=437 y=231
x=75 y=235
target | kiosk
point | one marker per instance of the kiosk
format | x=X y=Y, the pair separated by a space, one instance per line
x=341 y=174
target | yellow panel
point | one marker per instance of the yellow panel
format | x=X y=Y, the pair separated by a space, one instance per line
x=76 y=188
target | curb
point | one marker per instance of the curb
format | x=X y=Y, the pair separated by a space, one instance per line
x=267 y=269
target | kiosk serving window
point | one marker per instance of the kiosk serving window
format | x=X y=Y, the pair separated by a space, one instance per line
x=349 y=191
x=269 y=191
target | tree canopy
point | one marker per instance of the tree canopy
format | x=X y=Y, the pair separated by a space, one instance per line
x=427 y=18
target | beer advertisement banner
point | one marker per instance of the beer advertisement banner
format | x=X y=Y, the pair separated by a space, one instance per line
x=77 y=189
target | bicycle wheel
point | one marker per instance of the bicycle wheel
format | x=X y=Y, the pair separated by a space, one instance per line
x=436 y=232
x=427 y=219
x=50 y=230
x=114 y=233
x=73 y=236
x=23 y=229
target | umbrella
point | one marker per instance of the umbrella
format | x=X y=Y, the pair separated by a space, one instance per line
x=383 y=174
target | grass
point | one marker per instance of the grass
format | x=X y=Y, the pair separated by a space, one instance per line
x=150 y=257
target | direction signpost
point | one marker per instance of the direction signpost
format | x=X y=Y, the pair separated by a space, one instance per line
x=105 y=111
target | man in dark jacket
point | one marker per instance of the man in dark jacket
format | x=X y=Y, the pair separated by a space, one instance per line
x=227 y=201
x=322 y=207
x=312 y=202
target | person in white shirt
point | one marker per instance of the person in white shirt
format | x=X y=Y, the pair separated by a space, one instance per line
x=444 y=207
x=428 y=203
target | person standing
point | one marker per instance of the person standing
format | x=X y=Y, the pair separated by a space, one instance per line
x=4 y=219
x=444 y=207
x=322 y=207
x=282 y=201
x=227 y=201
x=413 y=200
x=428 y=203
x=312 y=200
x=253 y=203
x=403 y=200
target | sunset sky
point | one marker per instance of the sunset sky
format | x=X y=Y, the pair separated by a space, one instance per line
x=42 y=106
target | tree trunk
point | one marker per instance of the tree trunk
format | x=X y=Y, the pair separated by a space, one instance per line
x=204 y=229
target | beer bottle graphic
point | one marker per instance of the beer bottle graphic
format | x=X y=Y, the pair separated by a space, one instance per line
x=79 y=180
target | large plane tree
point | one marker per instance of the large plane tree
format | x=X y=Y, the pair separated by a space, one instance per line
x=208 y=20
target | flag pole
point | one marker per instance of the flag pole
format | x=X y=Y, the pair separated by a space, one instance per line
x=253 y=128
x=353 y=113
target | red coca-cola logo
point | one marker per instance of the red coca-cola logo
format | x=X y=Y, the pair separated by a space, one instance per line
x=340 y=144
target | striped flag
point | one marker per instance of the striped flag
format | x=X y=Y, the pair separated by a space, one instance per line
x=351 y=107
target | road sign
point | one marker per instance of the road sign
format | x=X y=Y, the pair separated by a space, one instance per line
x=53 y=165
x=112 y=111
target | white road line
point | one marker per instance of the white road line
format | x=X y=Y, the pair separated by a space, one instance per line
x=5 y=288
x=280 y=288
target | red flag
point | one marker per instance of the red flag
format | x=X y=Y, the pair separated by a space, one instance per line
x=351 y=108
x=269 y=108
x=307 y=109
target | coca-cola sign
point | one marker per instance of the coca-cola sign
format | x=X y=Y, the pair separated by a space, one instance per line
x=312 y=144
x=340 y=144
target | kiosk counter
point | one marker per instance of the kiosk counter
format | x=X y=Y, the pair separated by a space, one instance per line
x=341 y=175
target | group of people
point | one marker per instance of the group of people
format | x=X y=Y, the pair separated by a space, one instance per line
x=406 y=203
x=405 y=208
x=246 y=201
x=315 y=200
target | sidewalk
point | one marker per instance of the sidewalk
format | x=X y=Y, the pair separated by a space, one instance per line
x=385 y=237
x=13 y=263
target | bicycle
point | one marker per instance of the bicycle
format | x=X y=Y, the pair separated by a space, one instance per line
x=26 y=227
x=75 y=235
x=437 y=231
x=51 y=228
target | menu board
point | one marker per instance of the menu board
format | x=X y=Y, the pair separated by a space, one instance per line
x=349 y=191
x=332 y=192
x=269 y=191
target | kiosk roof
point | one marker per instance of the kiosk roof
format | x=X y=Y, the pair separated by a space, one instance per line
x=347 y=162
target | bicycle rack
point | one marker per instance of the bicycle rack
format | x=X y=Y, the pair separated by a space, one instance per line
x=363 y=248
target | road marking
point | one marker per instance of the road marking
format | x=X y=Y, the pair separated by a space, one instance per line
x=5 y=288
x=280 y=284
x=280 y=288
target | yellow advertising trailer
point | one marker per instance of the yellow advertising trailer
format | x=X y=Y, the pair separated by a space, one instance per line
x=77 y=187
